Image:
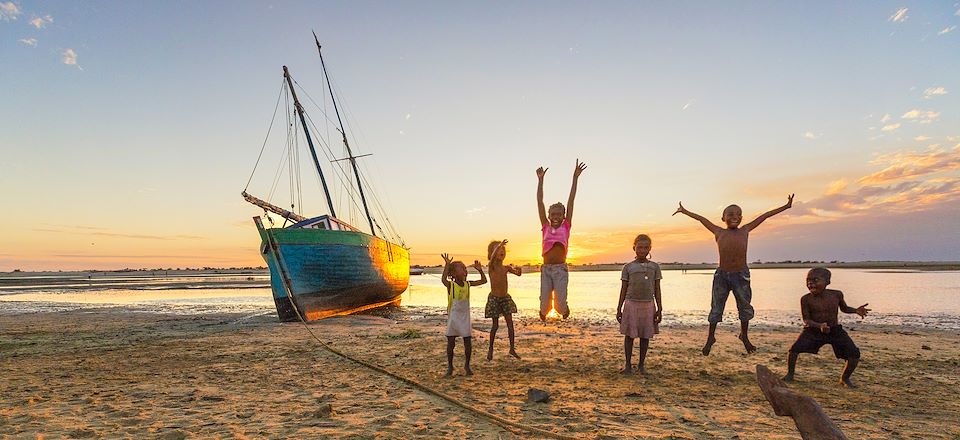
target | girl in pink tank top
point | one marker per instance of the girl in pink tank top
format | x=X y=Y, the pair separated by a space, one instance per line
x=555 y=228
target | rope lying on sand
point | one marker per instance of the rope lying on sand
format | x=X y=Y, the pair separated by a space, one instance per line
x=508 y=424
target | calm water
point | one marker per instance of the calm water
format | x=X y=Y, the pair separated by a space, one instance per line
x=929 y=298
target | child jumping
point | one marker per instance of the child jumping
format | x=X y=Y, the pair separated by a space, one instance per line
x=820 y=325
x=640 y=307
x=458 y=308
x=555 y=228
x=499 y=302
x=733 y=273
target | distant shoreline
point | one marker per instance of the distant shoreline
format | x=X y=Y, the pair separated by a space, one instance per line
x=213 y=272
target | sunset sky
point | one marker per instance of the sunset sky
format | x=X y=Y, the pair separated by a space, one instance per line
x=129 y=129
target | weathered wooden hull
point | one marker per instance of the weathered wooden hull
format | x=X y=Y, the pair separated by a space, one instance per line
x=332 y=272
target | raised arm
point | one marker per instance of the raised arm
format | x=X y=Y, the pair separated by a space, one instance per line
x=573 y=189
x=756 y=222
x=483 y=276
x=540 y=208
x=703 y=220
x=862 y=310
x=445 y=278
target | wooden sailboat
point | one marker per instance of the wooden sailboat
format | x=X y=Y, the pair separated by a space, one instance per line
x=322 y=266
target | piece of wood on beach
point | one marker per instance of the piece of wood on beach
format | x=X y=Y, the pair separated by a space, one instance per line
x=807 y=414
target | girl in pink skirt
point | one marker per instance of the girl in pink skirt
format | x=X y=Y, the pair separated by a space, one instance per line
x=639 y=309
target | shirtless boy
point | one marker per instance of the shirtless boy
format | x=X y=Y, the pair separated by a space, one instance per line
x=820 y=325
x=733 y=273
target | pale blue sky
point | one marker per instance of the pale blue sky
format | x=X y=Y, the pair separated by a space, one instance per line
x=149 y=138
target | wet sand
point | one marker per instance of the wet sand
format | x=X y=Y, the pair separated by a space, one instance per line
x=116 y=373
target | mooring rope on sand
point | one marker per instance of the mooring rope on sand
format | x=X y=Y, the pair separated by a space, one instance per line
x=508 y=424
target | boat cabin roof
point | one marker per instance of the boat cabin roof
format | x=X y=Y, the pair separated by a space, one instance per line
x=324 y=222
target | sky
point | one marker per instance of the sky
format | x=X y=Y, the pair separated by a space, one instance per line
x=129 y=129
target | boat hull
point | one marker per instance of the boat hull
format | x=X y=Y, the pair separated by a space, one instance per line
x=332 y=272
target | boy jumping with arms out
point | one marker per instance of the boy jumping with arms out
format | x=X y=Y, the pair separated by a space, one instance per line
x=555 y=228
x=820 y=325
x=733 y=273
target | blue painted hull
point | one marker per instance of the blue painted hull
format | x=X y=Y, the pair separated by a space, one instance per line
x=332 y=272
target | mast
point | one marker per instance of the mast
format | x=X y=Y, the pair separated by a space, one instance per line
x=306 y=131
x=343 y=132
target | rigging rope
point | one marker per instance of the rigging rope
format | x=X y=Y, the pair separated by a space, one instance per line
x=272 y=119
x=508 y=424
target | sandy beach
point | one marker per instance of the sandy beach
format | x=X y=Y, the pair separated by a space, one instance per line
x=117 y=373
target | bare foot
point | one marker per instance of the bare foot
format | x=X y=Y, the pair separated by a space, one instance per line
x=566 y=315
x=543 y=317
x=706 y=347
x=490 y=355
x=449 y=372
x=641 y=370
x=514 y=353
x=468 y=371
x=787 y=378
x=746 y=343
x=847 y=383
x=626 y=370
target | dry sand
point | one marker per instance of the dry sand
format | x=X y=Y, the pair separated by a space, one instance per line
x=115 y=373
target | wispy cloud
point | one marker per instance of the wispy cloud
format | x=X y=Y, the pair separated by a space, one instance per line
x=947 y=30
x=934 y=91
x=687 y=105
x=474 y=211
x=9 y=11
x=70 y=57
x=921 y=138
x=923 y=116
x=102 y=232
x=40 y=22
x=32 y=42
x=911 y=164
x=885 y=118
x=810 y=135
x=899 y=17
x=890 y=127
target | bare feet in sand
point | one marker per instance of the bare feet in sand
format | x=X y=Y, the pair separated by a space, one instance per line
x=449 y=372
x=514 y=353
x=787 y=378
x=706 y=347
x=641 y=370
x=626 y=371
x=490 y=355
x=746 y=343
x=847 y=383
x=468 y=371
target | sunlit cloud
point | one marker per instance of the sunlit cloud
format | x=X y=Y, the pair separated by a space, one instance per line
x=890 y=127
x=9 y=11
x=923 y=116
x=921 y=138
x=41 y=22
x=475 y=211
x=947 y=30
x=810 y=135
x=885 y=118
x=102 y=232
x=70 y=57
x=899 y=17
x=934 y=91
x=32 y=42
x=687 y=105
x=837 y=186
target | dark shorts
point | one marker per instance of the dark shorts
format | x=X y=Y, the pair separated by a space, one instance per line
x=499 y=305
x=811 y=339
x=723 y=284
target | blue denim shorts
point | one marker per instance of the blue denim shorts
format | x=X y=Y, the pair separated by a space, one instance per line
x=725 y=282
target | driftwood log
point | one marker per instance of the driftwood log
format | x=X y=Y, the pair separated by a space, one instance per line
x=810 y=419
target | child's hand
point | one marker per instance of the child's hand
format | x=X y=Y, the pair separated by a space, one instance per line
x=446 y=258
x=824 y=328
x=619 y=315
x=541 y=171
x=657 y=317
x=476 y=265
x=862 y=310
x=579 y=169
x=679 y=210
x=790 y=201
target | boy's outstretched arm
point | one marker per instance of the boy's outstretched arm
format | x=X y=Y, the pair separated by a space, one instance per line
x=756 y=222
x=703 y=220
x=543 y=211
x=516 y=270
x=445 y=278
x=483 y=276
x=573 y=189
x=623 y=297
x=862 y=310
